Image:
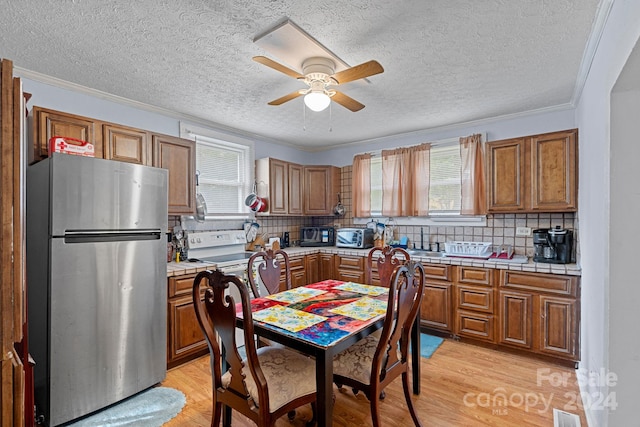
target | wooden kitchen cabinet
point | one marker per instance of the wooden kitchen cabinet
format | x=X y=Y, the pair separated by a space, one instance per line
x=185 y=340
x=321 y=188
x=280 y=182
x=312 y=267
x=475 y=303
x=327 y=266
x=126 y=144
x=178 y=156
x=298 y=273
x=436 y=310
x=537 y=173
x=350 y=268
x=48 y=123
x=540 y=313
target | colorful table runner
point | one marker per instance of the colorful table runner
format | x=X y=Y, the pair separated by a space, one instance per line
x=364 y=308
x=296 y=294
x=363 y=289
x=287 y=318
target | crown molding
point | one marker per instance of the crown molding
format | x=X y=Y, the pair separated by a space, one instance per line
x=602 y=15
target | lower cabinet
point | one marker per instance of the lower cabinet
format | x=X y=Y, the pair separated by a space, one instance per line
x=475 y=303
x=540 y=313
x=185 y=340
x=298 y=273
x=327 y=266
x=350 y=268
x=436 y=308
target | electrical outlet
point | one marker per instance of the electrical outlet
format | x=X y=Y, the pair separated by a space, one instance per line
x=523 y=231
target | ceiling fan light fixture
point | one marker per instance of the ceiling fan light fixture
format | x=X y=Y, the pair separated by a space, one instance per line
x=317 y=101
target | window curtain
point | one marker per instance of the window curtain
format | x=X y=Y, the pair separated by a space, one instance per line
x=361 y=185
x=405 y=181
x=472 y=174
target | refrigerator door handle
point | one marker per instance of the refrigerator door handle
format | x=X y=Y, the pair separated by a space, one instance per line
x=111 y=237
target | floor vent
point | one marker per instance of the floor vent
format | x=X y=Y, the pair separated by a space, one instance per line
x=565 y=419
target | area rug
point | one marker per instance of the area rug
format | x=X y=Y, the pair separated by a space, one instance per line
x=150 y=408
x=429 y=344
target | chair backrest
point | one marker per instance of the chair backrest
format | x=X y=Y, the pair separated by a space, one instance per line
x=386 y=259
x=268 y=266
x=216 y=314
x=405 y=296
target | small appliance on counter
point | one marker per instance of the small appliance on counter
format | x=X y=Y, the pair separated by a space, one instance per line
x=553 y=245
x=359 y=238
x=317 y=236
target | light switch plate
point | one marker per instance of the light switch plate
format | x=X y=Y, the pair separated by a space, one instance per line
x=523 y=231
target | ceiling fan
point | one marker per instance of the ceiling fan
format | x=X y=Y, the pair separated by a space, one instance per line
x=319 y=74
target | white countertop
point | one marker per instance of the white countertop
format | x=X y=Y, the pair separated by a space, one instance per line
x=180 y=268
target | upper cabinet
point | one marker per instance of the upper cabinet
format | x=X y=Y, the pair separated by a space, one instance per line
x=321 y=185
x=178 y=156
x=292 y=189
x=125 y=144
x=49 y=123
x=533 y=174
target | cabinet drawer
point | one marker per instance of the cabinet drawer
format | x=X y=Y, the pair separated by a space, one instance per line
x=475 y=276
x=475 y=298
x=350 y=262
x=181 y=285
x=436 y=271
x=475 y=325
x=296 y=263
x=540 y=282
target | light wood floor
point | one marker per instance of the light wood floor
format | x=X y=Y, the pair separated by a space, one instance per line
x=461 y=385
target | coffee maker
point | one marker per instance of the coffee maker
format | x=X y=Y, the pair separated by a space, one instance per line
x=553 y=245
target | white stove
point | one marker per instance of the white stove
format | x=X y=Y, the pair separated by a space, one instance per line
x=225 y=248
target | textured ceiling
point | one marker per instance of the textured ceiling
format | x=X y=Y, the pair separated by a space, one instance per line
x=445 y=61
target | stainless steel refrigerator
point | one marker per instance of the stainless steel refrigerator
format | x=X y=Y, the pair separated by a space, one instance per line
x=96 y=282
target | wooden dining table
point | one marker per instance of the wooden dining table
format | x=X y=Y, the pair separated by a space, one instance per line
x=321 y=320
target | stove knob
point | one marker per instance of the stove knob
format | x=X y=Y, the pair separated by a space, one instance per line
x=193 y=240
x=198 y=240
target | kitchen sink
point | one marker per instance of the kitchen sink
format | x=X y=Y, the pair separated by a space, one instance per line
x=425 y=253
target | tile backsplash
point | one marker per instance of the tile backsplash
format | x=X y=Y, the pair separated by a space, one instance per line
x=500 y=228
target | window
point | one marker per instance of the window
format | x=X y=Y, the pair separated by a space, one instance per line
x=445 y=192
x=225 y=175
x=445 y=189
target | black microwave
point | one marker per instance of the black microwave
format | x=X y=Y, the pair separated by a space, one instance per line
x=317 y=236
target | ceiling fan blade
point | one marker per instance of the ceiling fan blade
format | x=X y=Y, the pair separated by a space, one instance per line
x=347 y=102
x=361 y=71
x=285 y=98
x=278 y=67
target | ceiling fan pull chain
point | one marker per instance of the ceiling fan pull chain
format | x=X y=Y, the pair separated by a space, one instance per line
x=330 y=118
x=304 y=117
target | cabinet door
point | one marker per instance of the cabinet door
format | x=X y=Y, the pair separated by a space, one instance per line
x=435 y=311
x=278 y=187
x=186 y=340
x=475 y=325
x=327 y=266
x=321 y=184
x=553 y=172
x=126 y=145
x=295 y=189
x=516 y=317
x=178 y=156
x=298 y=273
x=49 y=123
x=558 y=331
x=506 y=175
x=312 y=267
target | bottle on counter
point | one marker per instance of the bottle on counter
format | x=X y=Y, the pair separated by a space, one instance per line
x=170 y=248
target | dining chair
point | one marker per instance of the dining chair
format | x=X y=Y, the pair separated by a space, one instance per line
x=386 y=259
x=268 y=267
x=270 y=381
x=372 y=363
